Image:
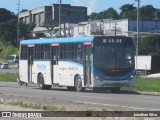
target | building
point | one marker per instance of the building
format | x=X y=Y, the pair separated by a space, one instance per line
x=74 y=22
x=122 y=27
x=38 y=15
x=69 y=14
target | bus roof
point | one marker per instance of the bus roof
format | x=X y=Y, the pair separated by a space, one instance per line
x=58 y=40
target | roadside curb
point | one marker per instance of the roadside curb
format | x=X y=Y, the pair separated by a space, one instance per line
x=149 y=93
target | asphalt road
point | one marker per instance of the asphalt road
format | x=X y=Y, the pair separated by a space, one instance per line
x=125 y=100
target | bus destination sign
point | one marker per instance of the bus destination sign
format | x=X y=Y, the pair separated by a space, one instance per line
x=112 y=41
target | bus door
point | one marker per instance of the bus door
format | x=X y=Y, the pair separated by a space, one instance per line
x=54 y=62
x=87 y=63
x=30 y=61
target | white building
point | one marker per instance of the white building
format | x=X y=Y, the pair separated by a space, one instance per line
x=123 y=27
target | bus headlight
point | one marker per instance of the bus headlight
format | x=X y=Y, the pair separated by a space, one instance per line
x=132 y=77
x=97 y=78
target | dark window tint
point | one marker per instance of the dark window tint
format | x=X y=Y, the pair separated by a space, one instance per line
x=42 y=51
x=23 y=52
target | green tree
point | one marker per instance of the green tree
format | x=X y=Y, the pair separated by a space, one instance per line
x=6 y=15
x=8 y=28
x=147 y=12
x=150 y=45
x=8 y=31
x=50 y=25
x=93 y=16
x=25 y=30
x=128 y=11
x=111 y=13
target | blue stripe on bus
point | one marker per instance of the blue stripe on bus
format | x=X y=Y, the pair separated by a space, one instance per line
x=103 y=76
x=96 y=72
x=75 y=63
x=41 y=60
x=72 y=62
x=57 y=40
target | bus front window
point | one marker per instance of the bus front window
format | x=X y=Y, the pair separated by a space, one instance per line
x=124 y=57
x=113 y=57
x=104 y=56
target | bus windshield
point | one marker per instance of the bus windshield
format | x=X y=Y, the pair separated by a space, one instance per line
x=113 y=57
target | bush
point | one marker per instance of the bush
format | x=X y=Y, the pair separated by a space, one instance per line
x=8 y=50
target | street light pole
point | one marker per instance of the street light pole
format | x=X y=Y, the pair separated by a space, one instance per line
x=60 y=1
x=137 y=25
x=17 y=41
x=138 y=1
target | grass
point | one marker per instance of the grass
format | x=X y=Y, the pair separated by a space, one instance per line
x=8 y=77
x=145 y=84
x=33 y=105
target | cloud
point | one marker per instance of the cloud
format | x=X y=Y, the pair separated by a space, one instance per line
x=78 y=2
x=90 y=4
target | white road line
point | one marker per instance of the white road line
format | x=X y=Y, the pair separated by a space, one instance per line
x=152 y=98
x=5 y=89
x=96 y=97
x=137 y=108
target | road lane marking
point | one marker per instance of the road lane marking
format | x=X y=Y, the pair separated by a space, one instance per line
x=5 y=89
x=152 y=98
x=96 y=97
x=137 y=108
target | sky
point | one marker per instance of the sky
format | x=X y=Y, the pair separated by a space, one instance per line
x=93 y=5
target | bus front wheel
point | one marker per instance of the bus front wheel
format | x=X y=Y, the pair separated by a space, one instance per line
x=78 y=84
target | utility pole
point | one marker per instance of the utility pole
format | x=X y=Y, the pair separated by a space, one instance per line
x=17 y=41
x=138 y=1
x=138 y=24
x=60 y=2
x=115 y=32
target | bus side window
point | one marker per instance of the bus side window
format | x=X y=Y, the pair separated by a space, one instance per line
x=79 y=52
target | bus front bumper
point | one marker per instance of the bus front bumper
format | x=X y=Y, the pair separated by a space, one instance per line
x=109 y=83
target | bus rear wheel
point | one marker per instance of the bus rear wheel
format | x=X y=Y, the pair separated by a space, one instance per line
x=78 y=84
x=41 y=84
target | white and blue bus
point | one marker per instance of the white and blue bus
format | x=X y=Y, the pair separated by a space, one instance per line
x=96 y=62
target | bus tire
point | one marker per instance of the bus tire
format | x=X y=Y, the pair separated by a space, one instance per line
x=20 y=83
x=115 y=89
x=78 y=84
x=41 y=84
x=26 y=84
